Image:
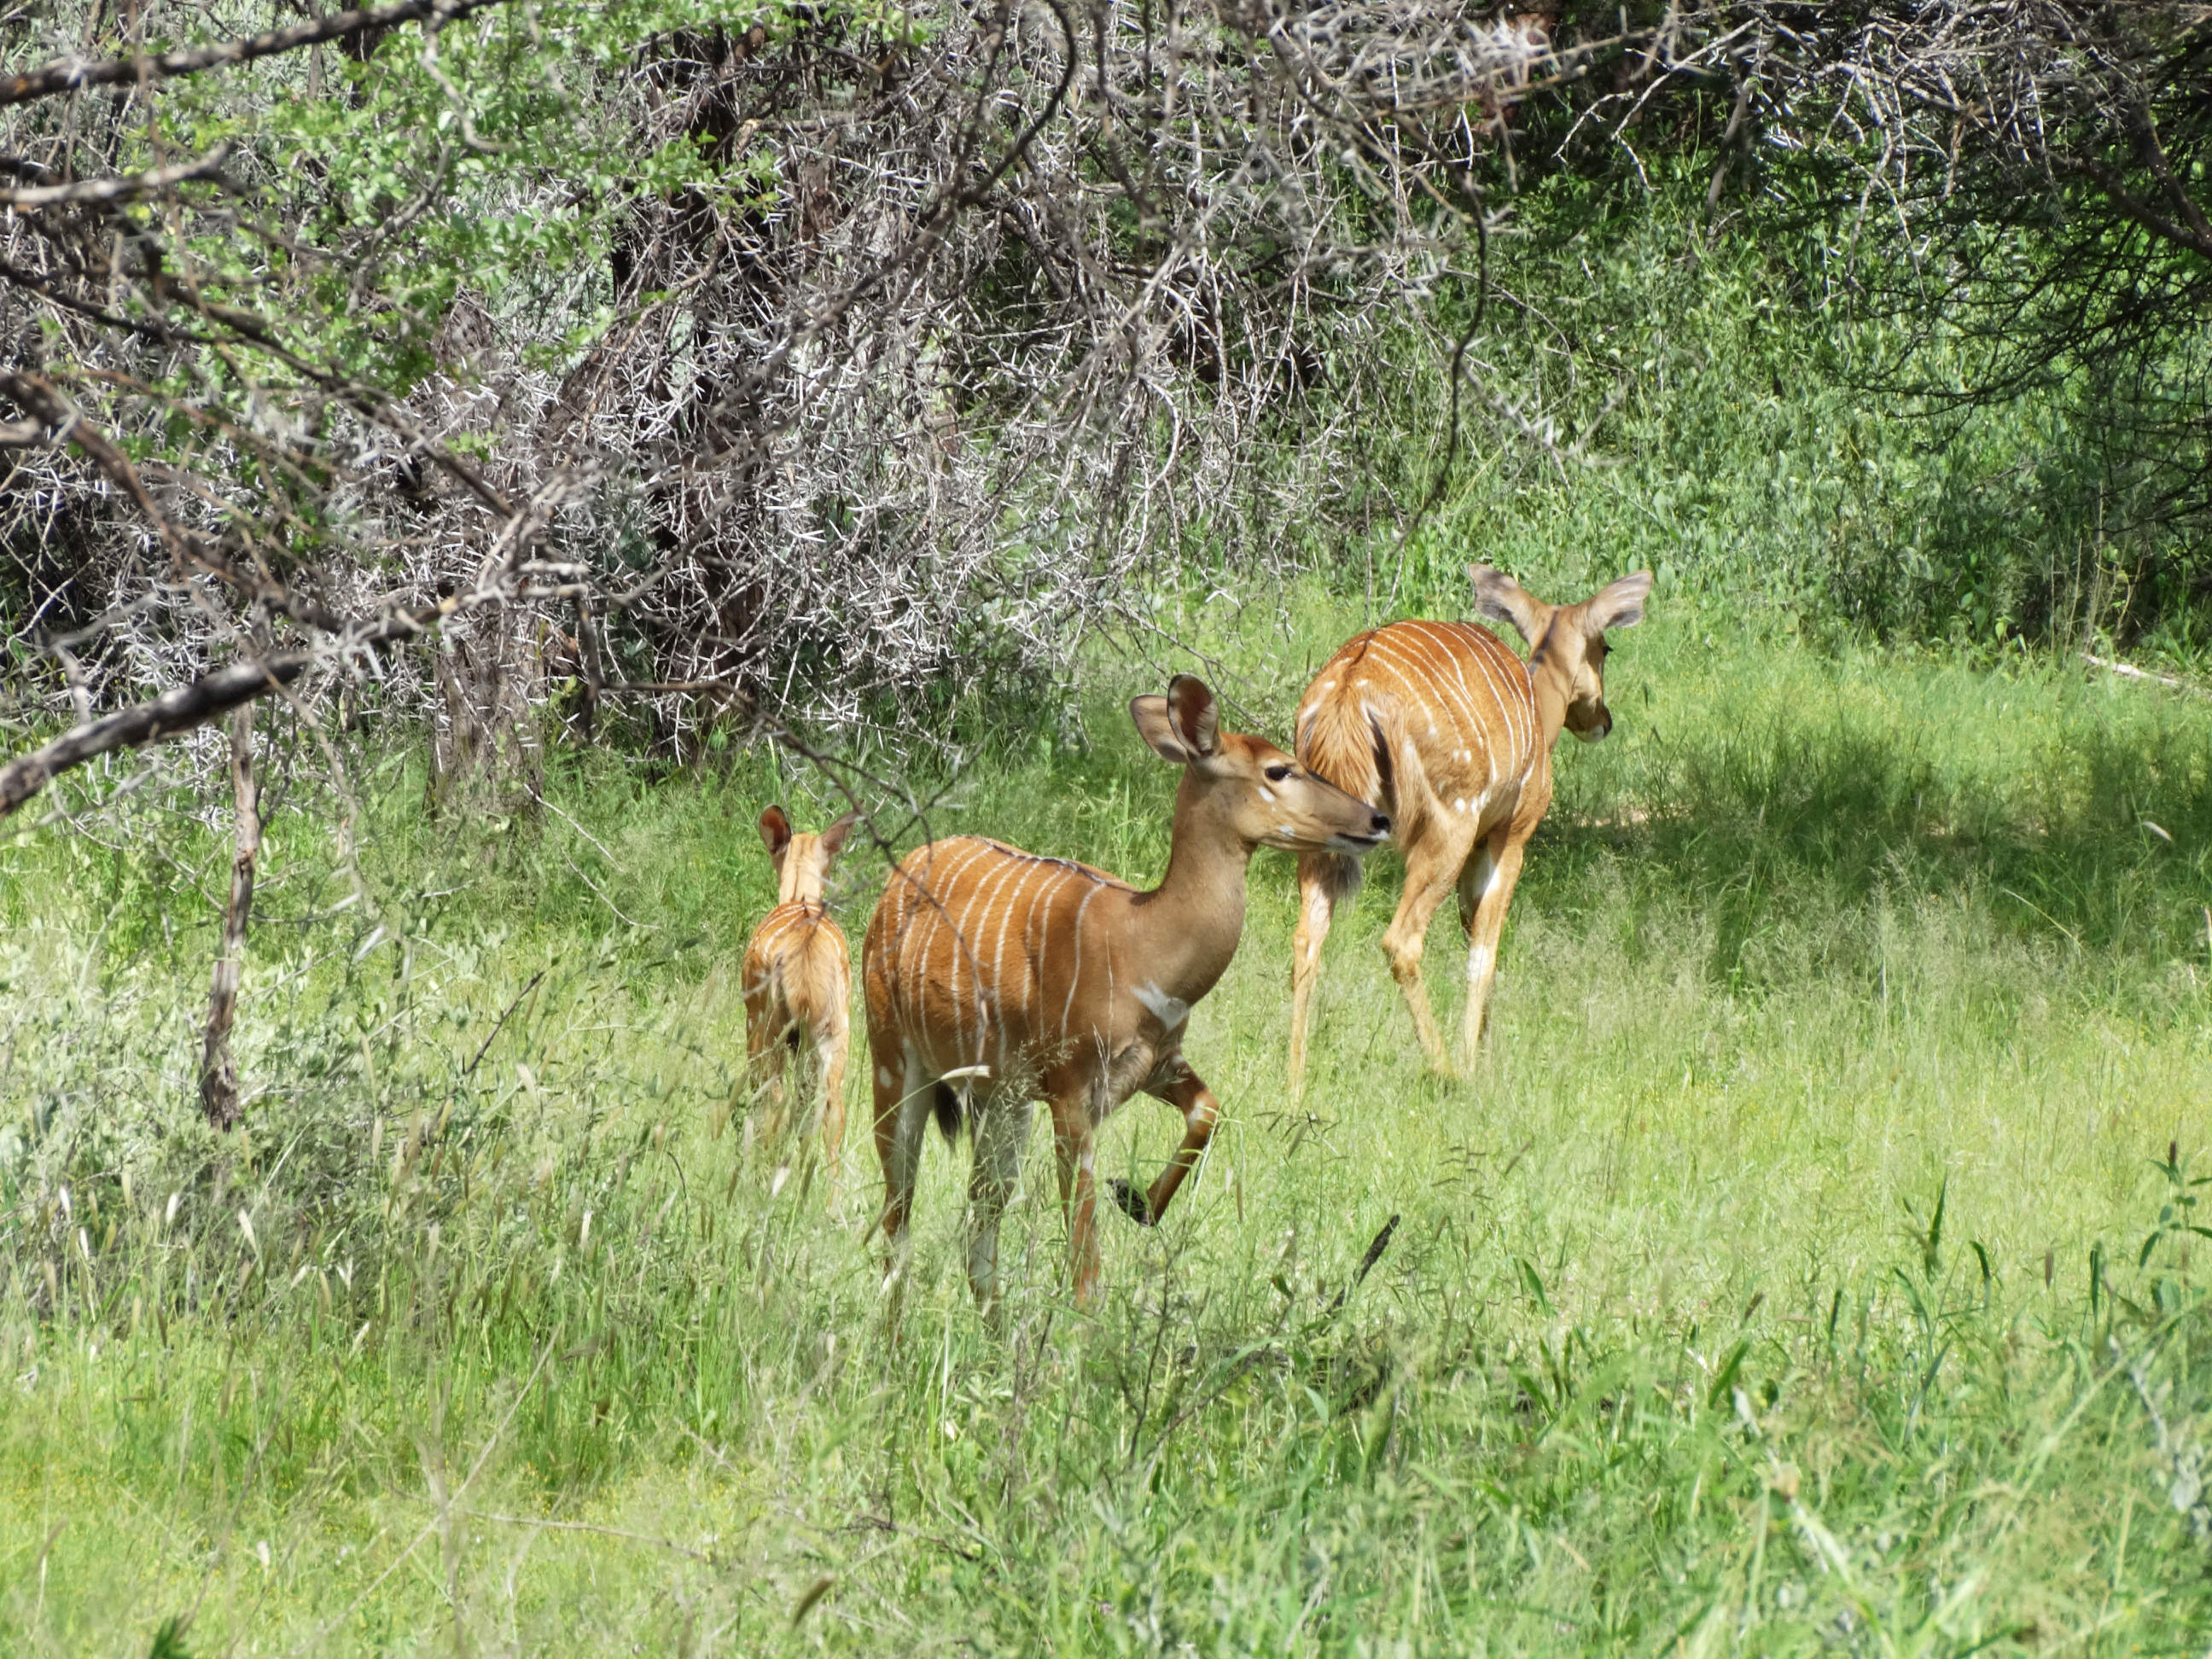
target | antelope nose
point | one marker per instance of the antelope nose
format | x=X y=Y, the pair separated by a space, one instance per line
x=1382 y=824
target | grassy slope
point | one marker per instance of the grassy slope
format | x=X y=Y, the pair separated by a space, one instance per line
x=1670 y=1343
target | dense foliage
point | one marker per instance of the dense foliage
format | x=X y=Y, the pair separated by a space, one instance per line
x=844 y=361
x=525 y=367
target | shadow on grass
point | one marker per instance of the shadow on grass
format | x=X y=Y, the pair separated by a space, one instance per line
x=2104 y=847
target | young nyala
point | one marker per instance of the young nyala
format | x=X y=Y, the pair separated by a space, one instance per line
x=797 y=979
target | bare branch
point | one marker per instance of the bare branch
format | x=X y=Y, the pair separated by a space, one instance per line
x=127 y=187
x=219 y=1102
x=68 y=74
x=173 y=711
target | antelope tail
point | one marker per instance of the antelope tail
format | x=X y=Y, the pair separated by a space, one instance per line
x=1344 y=740
x=945 y=1106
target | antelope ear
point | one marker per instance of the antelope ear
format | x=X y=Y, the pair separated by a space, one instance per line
x=1499 y=597
x=775 y=832
x=1156 y=726
x=1620 y=605
x=1181 y=726
x=833 y=838
x=1197 y=720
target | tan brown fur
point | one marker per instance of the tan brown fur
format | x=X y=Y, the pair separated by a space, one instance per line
x=996 y=978
x=1450 y=732
x=797 y=979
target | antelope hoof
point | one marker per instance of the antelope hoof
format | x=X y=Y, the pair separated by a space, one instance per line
x=1133 y=1200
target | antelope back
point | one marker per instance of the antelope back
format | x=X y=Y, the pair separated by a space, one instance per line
x=1421 y=717
x=979 y=954
x=797 y=959
x=798 y=970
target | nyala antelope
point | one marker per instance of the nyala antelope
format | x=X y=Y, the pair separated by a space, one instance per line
x=798 y=978
x=995 y=978
x=1443 y=727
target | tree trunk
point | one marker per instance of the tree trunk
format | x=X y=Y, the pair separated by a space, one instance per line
x=218 y=1071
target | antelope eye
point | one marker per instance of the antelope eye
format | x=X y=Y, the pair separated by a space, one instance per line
x=1277 y=774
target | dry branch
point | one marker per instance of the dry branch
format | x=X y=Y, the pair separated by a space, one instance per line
x=2128 y=671
x=139 y=70
x=124 y=188
x=178 y=709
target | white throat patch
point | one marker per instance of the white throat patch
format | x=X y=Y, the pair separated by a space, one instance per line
x=1170 y=1011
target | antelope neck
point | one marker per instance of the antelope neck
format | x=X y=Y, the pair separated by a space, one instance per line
x=1549 y=681
x=1186 y=929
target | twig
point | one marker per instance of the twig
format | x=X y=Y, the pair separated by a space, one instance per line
x=67 y=73
x=1374 y=1248
x=483 y=1048
x=2130 y=672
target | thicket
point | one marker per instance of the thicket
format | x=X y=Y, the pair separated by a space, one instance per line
x=522 y=367
x=532 y=373
x=1715 y=409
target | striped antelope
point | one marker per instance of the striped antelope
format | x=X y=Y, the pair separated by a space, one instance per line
x=1442 y=725
x=1019 y=978
x=798 y=976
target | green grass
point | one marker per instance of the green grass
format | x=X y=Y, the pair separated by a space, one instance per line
x=1777 y=1285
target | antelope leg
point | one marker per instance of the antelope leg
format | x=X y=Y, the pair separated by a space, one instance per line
x=1316 y=908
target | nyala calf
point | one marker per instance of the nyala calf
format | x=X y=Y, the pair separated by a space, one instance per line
x=797 y=979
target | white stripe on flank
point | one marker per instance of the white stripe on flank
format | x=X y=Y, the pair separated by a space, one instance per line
x=1460 y=691
x=1032 y=963
x=1451 y=695
x=998 y=946
x=941 y=919
x=1042 y=913
x=976 y=911
x=982 y=897
x=1523 y=699
x=1483 y=646
x=1014 y=1000
x=1450 y=648
x=1075 y=974
x=1500 y=696
x=1516 y=712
